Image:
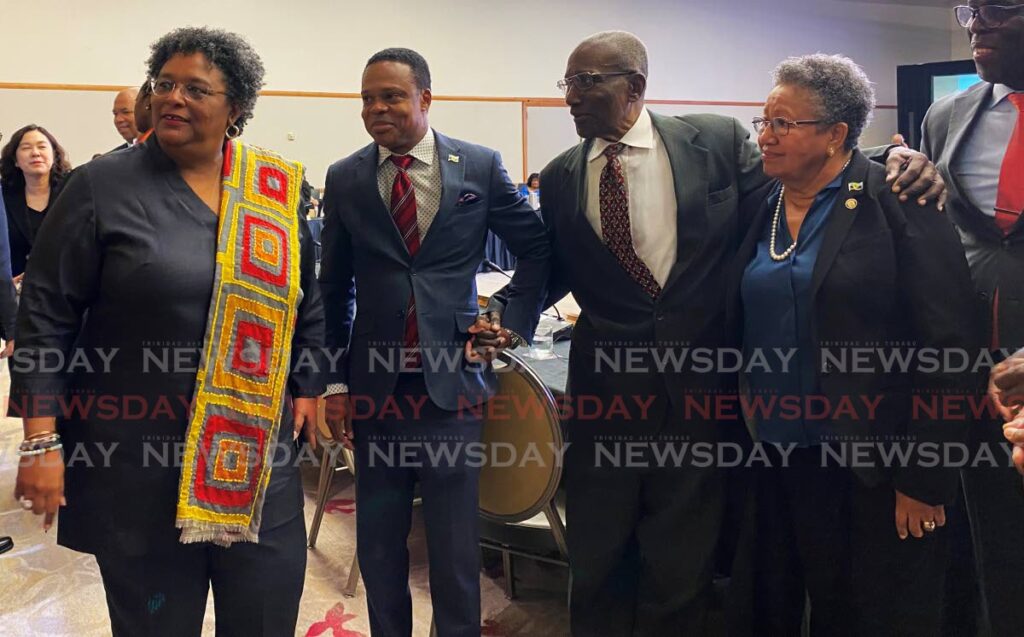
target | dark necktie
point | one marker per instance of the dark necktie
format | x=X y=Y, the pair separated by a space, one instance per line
x=403 y=211
x=615 y=228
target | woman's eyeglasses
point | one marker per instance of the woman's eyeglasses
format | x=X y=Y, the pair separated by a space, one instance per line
x=780 y=125
x=190 y=92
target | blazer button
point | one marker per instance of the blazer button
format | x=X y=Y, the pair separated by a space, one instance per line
x=400 y=314
x=1006 y=243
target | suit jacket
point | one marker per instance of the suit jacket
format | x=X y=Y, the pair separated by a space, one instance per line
x=23 y=225
x=996 y=260
x=621 y=329
x=8 y=299
x=367 y=274
x=888 y=273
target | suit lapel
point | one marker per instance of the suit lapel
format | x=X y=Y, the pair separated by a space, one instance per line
x=371 y=208
x=689 y=164
x=452 y=164
x=966 y=109
x=841 y=219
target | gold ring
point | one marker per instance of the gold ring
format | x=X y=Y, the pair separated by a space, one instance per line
x=928 y=526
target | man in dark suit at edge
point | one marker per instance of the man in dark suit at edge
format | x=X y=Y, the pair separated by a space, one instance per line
x=976 y=139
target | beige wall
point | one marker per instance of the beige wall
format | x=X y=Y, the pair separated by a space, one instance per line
x=700 y=50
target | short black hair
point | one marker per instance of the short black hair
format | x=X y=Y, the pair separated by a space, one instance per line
x=229 y=52
x=408 y=57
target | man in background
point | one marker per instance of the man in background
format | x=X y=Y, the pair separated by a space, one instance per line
x=976 y=138
x=124 y=116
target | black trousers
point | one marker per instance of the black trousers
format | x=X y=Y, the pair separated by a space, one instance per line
x=821 y=534
x=995 y=504
x=256 y=587
x=419 y=442
x=641 y=531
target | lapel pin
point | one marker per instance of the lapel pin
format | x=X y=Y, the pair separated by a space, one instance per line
x=851 y=203
x=453 y=159
x=856 y=186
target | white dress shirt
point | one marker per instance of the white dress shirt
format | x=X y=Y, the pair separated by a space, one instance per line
x=978 y=165
x=652 y=196
x=425 y=175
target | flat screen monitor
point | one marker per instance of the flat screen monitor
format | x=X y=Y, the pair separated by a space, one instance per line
x=943 y=85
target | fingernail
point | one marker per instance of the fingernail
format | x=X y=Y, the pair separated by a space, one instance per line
x=921 y=202
x=46 y=528
x=895 y=188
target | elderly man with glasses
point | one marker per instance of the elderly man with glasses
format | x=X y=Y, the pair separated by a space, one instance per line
x=645 y=219
x=976 y=139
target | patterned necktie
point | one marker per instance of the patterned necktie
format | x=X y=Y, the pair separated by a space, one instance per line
x=1010 y=196
x=615 y=222
x=403 y=211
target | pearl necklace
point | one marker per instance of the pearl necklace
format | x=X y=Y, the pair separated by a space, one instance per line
x=775 y=225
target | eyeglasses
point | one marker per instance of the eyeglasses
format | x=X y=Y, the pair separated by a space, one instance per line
x=190 y=92
x=586 y=81
x=780 y=125
x=992 y=15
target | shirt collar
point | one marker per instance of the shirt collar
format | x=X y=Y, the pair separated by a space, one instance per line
x=999 y=93
x=824 y=193
x=422 y=151
x=641 y=135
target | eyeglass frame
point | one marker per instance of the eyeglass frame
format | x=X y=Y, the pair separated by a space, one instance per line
x=566 y=83
x=762 y=123
x=186 y=89
x=976 y=13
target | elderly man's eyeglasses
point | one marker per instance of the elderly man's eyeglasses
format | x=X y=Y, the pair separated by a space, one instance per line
x=780 y=125
x=190 y=92
x=991 y=15
x=586 y=81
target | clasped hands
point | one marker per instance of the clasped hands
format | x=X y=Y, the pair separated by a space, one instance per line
x=1006 y=391
x=487 y=338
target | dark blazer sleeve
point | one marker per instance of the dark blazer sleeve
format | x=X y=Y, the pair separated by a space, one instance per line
x=8 y=298
x=557 y=286
x=306 y=379
x=511 y=218
x=337 y=279
x=62 y=284
x=19 y=243
x=934 y=283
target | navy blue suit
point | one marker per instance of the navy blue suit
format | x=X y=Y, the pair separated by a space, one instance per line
x=366 y=265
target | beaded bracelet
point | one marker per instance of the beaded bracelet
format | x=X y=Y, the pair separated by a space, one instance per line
x=22 y=453
x=39 y=443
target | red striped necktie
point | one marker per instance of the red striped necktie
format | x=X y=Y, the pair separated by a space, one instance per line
x=403 y=211
x=1010 y=196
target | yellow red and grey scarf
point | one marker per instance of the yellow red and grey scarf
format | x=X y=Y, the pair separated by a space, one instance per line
x=241 y=383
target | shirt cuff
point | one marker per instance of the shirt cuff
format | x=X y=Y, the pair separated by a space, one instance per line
x=336 y=388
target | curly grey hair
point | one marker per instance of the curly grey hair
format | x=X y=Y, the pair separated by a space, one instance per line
x=843 y=90
x=229 y=52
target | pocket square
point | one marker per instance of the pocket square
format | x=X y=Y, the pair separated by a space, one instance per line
x=467 y=198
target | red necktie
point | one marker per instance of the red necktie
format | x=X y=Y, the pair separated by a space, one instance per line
x=615 y=229
x=1010 y=196
x=403 y=211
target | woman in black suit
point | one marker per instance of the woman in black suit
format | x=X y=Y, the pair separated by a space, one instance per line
x=835 y=264
x=33 y=167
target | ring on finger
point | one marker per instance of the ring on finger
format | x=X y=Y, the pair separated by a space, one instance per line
x=25 y=503
x=928 y=526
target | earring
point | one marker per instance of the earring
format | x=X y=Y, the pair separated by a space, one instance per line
x=831 y=151
x=233 y=131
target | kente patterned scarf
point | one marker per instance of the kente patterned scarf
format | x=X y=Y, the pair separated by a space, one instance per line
x=240 y=385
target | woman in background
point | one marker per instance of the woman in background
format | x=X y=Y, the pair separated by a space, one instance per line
x=33 y=167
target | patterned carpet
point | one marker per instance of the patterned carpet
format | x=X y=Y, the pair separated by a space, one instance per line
x=49 y=590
